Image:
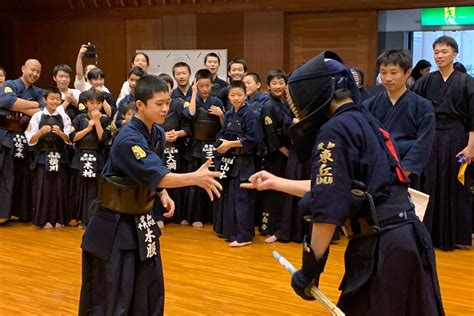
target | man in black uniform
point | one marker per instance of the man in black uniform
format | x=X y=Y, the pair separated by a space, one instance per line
x=355 y=179
x=121 y=271
x=449 y=212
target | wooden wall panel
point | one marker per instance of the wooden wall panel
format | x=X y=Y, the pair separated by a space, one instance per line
x=142 y=34
x=179 y=31
x=62 y=43
x=351 y=34
x=224 y=30
x=264 y=41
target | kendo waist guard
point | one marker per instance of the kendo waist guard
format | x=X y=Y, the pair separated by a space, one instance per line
x=205 y=126
x=125 y=195
x=14 y=121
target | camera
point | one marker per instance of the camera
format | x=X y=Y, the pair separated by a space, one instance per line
x=91 y=51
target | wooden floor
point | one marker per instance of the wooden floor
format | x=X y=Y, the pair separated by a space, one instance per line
x=40 y=274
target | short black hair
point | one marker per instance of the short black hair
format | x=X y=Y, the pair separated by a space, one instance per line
x=396 y=57
x=446 y=41
x=237 y=60
x=137 y=71
x=95 y=73
x=129 y=106
x=144 y=55
x=276 y=74
x=62 y=67
x=148 y=85
x=212 y=55
x=167 y=78
x=420 y=65
x=181 y=64
x=3 y=70
x=203 y=74
x=255 y=77
x=91 y=95
x=459 y=67
x=238 y=84
x=51 y=90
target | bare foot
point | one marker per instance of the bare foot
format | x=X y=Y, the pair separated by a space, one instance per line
x=236 y=244
x=197 y=225
x=48 y=226
x=58 y=225
x=271 y=239
x=81 y=226
x=184 y=222
x=160 y=224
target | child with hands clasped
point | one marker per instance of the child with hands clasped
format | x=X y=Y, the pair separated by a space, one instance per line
x=47 y=133
x=90 y=135
x=240 y=137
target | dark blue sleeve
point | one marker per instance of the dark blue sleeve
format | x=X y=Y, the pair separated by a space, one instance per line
x=107 y=135
x=38 y=97
x=134 y=158
x=220 y=134
x=331 y=176
x=8 y=95
x=219 y=103
x=270 y=120
x=417 y=156
x=253 y=133
x=119 y=118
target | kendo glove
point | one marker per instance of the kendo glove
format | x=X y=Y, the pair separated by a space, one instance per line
x=303 y=280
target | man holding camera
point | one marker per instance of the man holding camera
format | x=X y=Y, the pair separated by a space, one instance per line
x=87 y=50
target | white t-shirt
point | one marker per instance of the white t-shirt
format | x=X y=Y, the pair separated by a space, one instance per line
x=82 y=85
x=124 y=91
x=35 y=120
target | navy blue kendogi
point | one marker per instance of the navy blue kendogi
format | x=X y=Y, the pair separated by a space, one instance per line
x=122 y=271
x=177 y=156
x=276 y=119
x=355 y=163
x=15 y=174
x=234 y=211
x=204 y=128
x=410 y=122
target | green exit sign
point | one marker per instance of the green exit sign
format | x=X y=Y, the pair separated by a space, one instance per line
x=447 y=16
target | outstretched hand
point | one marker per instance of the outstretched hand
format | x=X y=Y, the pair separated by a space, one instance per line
x=262 y=180
x=206 y=180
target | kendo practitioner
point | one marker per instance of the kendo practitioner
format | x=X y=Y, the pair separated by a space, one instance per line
x=182 y=73
x=451 y=92
x=176 y=154
x=47 y=134
x=212 y=62
x=96 y=78
x=408 y=117
x=255 y=98
x=238 y=140
x=356 y=183
x=236 y=70
x=133 y=76
x=90 y=134
x=19 y=100
x=276 y=119
x=206 y=114
x=121 y=264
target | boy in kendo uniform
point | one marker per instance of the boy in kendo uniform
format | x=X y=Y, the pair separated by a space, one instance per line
x=357 y=183
x=206 y=114
x=90 y=134
x=238 y=140
x=48 y=133
x=176 y=155
x=121 y=263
